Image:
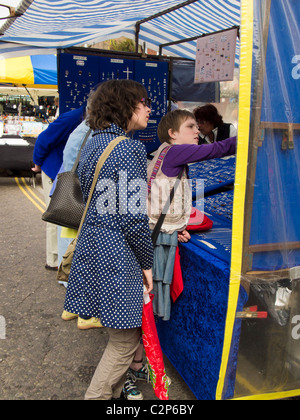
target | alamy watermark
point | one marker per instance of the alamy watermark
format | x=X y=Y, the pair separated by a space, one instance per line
x=2 y=328
x=296 y=329
x=129 y=196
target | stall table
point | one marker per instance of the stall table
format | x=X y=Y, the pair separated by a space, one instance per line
x=16 y=153
x=193 y=338
x=216 y=173
x=17 y=140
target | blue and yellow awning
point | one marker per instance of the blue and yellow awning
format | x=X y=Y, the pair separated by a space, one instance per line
x=67 y=23
x=32 y=71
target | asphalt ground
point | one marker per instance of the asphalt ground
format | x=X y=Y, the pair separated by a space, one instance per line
x=41 y=356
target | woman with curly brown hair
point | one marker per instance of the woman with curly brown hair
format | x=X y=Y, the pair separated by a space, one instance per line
x=114 y=252
x=211 y=125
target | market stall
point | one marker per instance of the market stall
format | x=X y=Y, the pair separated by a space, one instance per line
x=17 y=140
x=23 y=80
x=234 y=331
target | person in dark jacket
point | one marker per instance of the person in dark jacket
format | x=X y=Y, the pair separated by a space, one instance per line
x=48 y=158
x=211 y=125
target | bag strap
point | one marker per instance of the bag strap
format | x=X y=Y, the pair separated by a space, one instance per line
x=157 y=166
x=79 y=153
x=161 y=219
x=156 y=230
x=99 y=166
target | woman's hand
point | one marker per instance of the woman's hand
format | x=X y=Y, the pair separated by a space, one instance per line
x=36 y=169
x=184 y=236
x=148 y=281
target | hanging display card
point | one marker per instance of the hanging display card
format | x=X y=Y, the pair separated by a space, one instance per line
x=215 y=57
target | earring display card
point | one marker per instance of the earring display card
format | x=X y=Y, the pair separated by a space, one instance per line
x=77 y=76
x=215 y=58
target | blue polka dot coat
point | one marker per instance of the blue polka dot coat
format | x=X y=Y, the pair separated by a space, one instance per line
x=114 y=245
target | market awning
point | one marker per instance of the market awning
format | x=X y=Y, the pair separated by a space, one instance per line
x=34 y=71
x=66 y=23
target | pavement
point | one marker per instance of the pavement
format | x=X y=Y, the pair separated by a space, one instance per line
x=41 y=356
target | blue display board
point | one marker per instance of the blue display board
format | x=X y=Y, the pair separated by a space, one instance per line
x=154 y=76
x=276 y=200
x=78 y=74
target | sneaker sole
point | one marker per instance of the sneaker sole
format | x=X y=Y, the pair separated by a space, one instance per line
x=88 y=328
x=137 y=398
x=69 y=319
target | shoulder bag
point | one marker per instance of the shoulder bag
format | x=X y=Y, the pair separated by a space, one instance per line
x=66 y=205
x=65 y=267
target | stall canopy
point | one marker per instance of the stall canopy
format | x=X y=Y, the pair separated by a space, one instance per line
x=66 y=23
x=36 y=71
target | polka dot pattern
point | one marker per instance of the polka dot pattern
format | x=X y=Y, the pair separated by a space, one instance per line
x=115 y=245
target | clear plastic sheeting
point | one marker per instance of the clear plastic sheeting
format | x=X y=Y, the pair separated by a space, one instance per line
x=274 y=185
x=266 y=334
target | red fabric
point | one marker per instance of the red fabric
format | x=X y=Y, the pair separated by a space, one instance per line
x=198 y=223
x=177 y=283
x=154 y=353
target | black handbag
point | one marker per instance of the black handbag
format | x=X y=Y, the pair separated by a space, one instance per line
x=66 y=206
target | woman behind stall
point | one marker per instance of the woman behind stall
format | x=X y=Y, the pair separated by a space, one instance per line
x=114 y=251
x=211 y=125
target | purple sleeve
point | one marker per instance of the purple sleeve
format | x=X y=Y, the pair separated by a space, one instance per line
x=181 y=155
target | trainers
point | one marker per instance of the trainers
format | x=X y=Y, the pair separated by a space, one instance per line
x=67 y=316
x=130 y=391
x=142 y=374
x=86 y=324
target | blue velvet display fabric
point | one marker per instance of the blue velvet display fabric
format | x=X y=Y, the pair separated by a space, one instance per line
x=217 y=241
x=193 y=338
x=216 y=173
